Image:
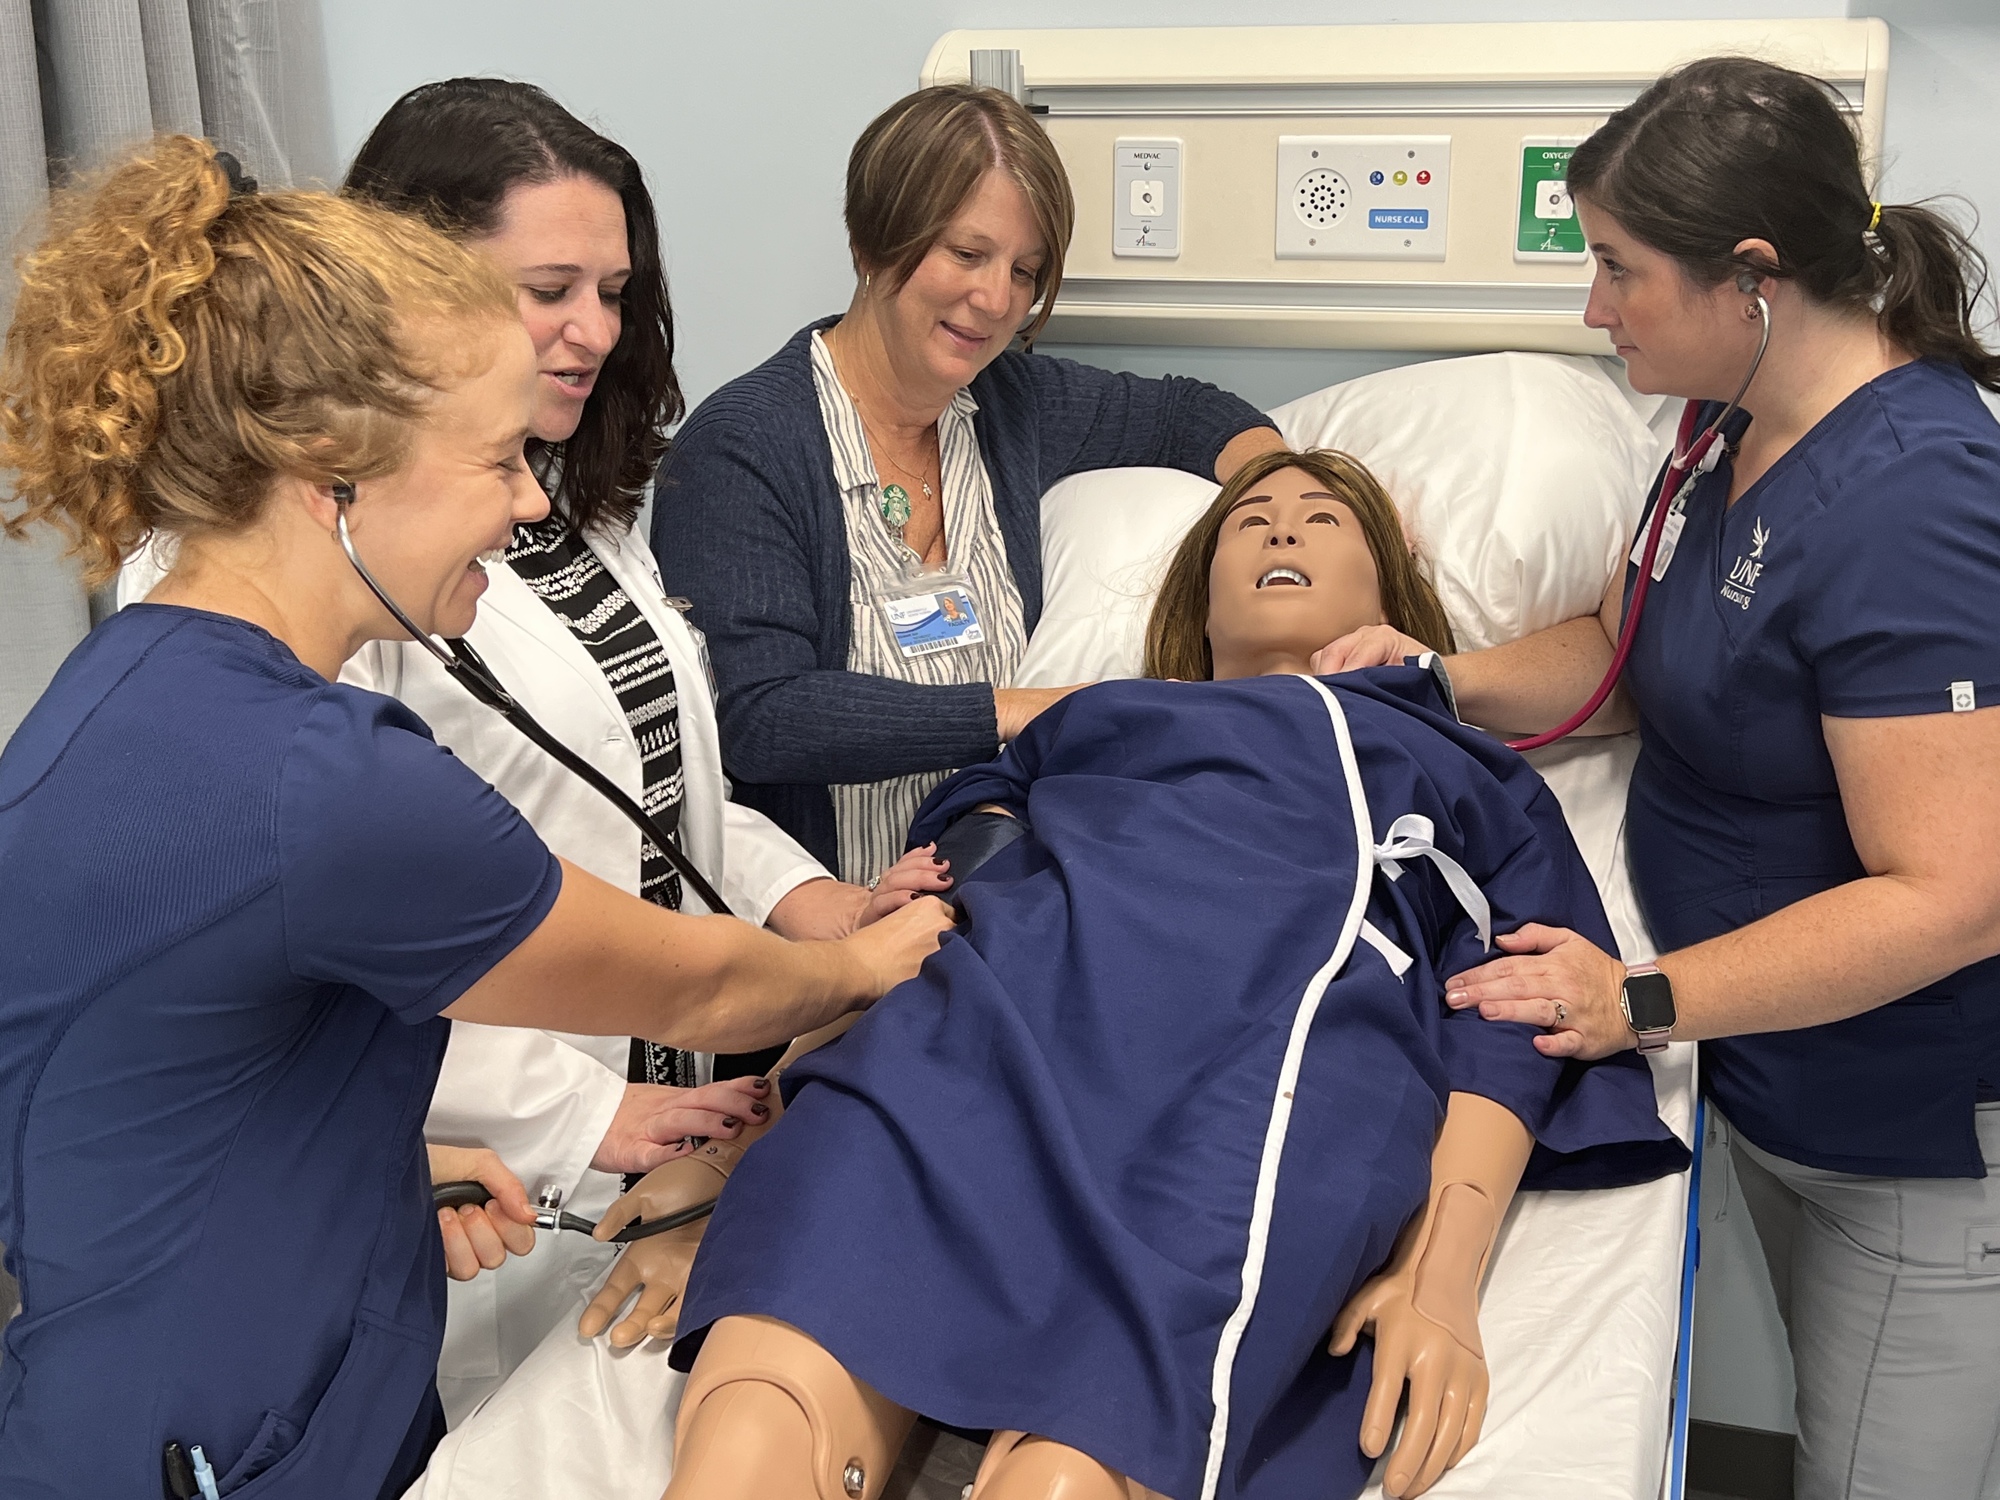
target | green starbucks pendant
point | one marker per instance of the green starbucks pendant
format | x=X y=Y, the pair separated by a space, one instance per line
x=895 y=506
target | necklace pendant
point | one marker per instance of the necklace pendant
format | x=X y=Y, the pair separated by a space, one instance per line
x=896 y=506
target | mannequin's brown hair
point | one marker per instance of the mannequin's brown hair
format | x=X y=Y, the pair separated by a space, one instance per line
x=1177 y=633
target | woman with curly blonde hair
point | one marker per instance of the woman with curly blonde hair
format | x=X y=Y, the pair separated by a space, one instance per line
x=239 y=894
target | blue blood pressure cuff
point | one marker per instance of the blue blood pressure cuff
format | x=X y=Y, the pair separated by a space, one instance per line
x=972 y=840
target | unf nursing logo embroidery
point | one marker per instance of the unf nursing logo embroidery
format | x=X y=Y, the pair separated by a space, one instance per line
x=1742 y=585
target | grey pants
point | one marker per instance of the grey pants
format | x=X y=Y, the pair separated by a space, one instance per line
x=1890 y=1292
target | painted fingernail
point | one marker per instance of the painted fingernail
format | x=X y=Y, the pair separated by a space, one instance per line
x=730 y=1122
x=760 y=1084
x=760 y=1110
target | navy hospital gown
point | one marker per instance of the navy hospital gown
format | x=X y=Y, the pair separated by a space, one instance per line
x=1108 y=1167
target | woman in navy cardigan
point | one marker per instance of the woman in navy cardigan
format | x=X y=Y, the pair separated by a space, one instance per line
x=807 y=504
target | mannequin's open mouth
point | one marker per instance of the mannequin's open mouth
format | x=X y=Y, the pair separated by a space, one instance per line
x=1290 y=576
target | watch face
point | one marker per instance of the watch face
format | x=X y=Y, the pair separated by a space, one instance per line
x=1649 y=1002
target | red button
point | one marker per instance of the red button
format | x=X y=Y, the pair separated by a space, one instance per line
x=1422 y=178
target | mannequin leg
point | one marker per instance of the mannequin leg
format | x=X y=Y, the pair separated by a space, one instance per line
x=1019 y=1466
x=770 y=1415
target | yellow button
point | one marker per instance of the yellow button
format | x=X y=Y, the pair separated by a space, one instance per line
x=1401 y=178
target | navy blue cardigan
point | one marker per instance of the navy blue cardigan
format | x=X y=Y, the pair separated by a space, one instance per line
x=747 y=523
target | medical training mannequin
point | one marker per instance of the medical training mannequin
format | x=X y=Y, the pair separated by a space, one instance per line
x=1294 y=546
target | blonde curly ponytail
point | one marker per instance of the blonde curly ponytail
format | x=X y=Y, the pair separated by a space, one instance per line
x=175 y=349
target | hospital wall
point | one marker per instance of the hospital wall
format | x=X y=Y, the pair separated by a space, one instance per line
x=742 y=113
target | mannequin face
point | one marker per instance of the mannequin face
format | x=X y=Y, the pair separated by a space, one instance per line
x=1291 y=572
x=564 y=247
x=466 y=485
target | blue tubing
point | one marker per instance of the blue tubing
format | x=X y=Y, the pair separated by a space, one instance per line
x=1684 y=1351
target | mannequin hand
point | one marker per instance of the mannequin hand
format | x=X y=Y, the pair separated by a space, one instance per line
x=476 y=1237
x=654 y=1121
x=1447 y=1383
x=1015 y=708
x=1370 y=646
x=657 y=1269
x=681 y=1183
x=1551 y=964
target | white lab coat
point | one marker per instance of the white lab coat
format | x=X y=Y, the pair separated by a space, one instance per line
x=544 y=1099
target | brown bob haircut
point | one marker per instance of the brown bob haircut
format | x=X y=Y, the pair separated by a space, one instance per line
x=920 y=160
x=1177 y=633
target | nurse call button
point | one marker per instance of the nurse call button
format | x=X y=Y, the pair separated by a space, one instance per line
x=1399 y=218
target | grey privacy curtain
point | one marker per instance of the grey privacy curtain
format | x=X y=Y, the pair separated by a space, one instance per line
x=80 y=80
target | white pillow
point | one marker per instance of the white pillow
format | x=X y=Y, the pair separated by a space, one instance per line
x=1107 y=537
x=1519 y=475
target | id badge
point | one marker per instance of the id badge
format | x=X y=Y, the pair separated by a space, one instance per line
x=1670 y=538
x=932 y=612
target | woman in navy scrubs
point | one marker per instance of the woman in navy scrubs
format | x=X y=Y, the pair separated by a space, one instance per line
x=1815 y=816
x=239 y=895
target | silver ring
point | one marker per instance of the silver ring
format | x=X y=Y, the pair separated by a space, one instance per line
x=875 y=882
x=1562 y=1013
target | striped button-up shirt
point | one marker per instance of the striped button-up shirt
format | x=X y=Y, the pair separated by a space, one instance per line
x=873 y=817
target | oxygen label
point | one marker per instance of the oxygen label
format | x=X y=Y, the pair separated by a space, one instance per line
x=1548 y=226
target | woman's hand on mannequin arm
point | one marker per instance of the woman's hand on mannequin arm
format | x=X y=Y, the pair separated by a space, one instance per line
x=826 y=908
x=656 y=1269
x=1014 y=709
x=606 y=963
x=1520 y=688
x=1922 y=798
x=655 y=1121
x=486 y=1235
x=1422 y=1308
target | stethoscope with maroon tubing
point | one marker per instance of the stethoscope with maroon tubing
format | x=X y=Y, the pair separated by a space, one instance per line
x=1694 y=455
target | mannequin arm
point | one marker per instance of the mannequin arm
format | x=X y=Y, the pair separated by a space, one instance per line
x=1422 y=1308
x=656 y=1269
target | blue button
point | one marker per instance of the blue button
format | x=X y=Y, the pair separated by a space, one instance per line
x=1376 y=178
x=1399 y=218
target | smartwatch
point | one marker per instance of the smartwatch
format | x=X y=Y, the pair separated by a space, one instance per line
x=1647 y=999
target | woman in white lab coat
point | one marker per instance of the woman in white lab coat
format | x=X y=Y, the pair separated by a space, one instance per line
x=567 y=215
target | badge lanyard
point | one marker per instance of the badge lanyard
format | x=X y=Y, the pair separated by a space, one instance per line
x=1669 y=516
x=930 y=610
x=1693 y=457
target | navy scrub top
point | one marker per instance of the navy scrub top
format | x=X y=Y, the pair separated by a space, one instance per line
x=236 y=898
x=1858 y=578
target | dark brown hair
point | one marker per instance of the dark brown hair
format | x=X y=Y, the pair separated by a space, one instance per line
x=920 y=160
x=177 y=348
x=1177 y=632
x=1730 y=149
x=450 y=152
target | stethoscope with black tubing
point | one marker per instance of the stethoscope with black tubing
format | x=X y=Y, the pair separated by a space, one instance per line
x=1693 y=456
x=464 y=666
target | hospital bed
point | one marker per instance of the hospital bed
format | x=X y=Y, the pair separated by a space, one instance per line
x=1520 y=478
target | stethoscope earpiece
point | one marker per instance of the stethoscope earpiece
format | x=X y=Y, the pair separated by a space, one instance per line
x=343 y=493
